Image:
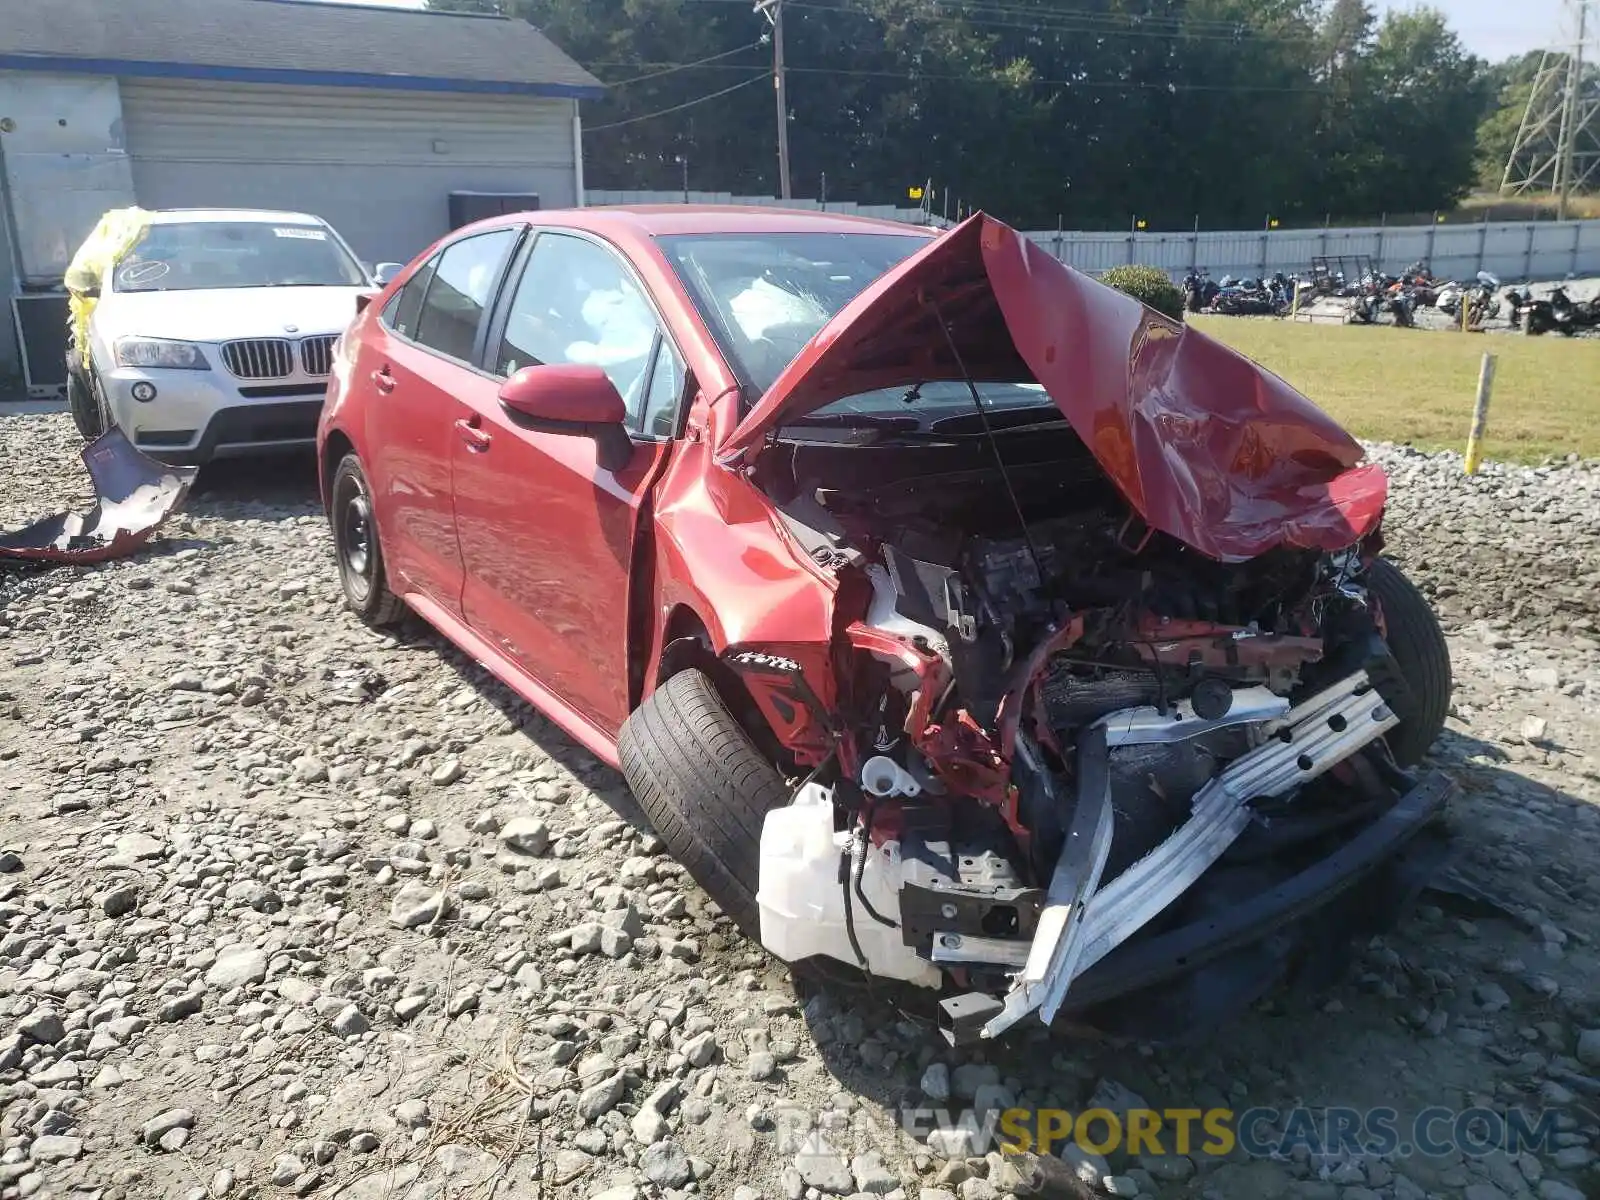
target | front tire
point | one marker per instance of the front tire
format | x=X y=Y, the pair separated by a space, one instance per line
x=706 y=788
x=1418 y=644
x=355 y=540
x=83 y=400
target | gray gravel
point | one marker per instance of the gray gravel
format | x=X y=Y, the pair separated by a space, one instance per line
x=289 y=908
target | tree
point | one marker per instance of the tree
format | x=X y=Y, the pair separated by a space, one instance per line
x=1428 y=95
x=1229 y=110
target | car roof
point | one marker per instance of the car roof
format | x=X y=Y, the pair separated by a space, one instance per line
x=667 y=220
x=262 y=216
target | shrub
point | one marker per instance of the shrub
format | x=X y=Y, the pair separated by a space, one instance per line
x=1149 y=285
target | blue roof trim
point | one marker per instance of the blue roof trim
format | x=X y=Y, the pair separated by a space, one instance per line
x=348 y=79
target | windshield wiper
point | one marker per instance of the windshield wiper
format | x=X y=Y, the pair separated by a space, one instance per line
x=1000 y=420
x=875 y=421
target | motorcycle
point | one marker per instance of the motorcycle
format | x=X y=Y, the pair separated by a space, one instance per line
x=1246 y=298
x=1420 y=284
x=1198 y=291
x=1402 y=304
x=1570 y=315
x=1367 y=305
x=1481 y=301
x=1559 y=313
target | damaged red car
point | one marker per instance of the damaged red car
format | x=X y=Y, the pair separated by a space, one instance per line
x=956 y=619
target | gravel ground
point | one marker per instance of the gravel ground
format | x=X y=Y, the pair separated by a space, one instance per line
x=289 y=908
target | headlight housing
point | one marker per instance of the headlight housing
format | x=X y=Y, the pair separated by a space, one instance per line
x=155 y=352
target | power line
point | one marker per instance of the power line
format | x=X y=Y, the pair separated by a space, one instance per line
x=1087 y=24
x=677 y=107
x=1073 y=21
x=1092 y=84
x=671 y=68
x=1067 y=83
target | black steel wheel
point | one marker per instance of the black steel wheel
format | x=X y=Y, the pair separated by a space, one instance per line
x=355 y=540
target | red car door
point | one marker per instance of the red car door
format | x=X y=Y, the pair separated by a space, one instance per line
x=412 y=360
x=546 y=532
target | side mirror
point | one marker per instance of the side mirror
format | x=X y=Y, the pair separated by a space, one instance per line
x=383 y=273
x=572 y=399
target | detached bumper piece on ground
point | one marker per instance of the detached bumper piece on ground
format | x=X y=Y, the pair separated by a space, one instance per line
x=134 y=495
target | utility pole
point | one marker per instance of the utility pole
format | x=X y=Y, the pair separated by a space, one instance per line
x=1571 y=113
x=773 y=11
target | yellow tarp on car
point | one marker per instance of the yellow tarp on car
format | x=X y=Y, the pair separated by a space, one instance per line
x=101 y=251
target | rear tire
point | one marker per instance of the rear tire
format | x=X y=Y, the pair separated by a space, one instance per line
x=355 y=540
x=1418 y=644
x=706 y=788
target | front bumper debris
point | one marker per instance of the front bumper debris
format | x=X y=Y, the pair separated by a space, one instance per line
x=1082 y=923
x=134 y=494
x=1191 y=946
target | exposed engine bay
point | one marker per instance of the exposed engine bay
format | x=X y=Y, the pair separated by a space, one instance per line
x=1055 y=722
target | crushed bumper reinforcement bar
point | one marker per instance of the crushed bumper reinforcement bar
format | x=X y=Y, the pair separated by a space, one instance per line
x=1082 y=922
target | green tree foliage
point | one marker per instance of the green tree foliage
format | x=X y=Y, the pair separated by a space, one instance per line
x=1093 y=110
x=1151 y=286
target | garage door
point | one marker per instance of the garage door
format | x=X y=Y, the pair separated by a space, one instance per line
x=378 y=165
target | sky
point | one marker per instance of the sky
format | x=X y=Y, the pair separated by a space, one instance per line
x=1495 y=29
x=1492 y=29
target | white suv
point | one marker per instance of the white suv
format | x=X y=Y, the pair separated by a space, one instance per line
x=213 y=335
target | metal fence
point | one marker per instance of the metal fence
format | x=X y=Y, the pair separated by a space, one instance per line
x=1511 y=250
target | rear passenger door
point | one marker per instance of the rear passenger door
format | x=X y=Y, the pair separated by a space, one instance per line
x=431 y=333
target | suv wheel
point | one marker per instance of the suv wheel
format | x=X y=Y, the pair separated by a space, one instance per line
x=355 y=540
x=83 y=400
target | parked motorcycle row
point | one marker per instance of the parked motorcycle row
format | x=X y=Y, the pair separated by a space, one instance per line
x=1238 y=297
x=1557 y=313
x=1373 y=297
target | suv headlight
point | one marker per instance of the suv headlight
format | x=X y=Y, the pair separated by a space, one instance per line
x=152 y=352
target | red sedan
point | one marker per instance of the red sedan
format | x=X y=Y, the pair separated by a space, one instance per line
x=954 y=617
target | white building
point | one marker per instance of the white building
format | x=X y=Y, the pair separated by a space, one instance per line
x=372 y=118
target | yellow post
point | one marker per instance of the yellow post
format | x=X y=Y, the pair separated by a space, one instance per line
x=1480 y=415
x=1466 y=308
x=1294 y=308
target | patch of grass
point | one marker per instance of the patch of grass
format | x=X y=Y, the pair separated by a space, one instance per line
x=1532 y=207
x=1418 y=386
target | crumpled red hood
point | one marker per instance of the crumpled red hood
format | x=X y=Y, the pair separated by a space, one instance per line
x=1206 y=445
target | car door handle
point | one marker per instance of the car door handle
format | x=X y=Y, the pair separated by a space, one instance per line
x=475 y=438
x=383 y=381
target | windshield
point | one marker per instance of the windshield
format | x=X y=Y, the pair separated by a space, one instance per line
x=764 y=296
x=200 y=255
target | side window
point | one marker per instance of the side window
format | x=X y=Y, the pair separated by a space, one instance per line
x=406 y=304
x=461 y=290
x=661 y=401
x=576 y=304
